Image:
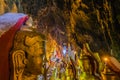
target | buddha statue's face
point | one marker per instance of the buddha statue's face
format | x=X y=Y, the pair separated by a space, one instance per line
x=28 y=53
x=35 y=54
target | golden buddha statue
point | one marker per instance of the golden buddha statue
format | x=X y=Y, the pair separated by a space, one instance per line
x=26 y=55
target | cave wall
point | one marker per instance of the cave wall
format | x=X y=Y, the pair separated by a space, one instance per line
x=76 y=21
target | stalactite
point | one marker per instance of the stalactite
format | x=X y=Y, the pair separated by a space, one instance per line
x=108 y=10
x=20 y=8
x=14 y=8
x=105 y=20
x=2 y=7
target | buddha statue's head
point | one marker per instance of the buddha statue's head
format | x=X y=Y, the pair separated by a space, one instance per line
x=26 y=54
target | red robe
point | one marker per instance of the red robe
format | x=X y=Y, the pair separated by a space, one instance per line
x=6 y=41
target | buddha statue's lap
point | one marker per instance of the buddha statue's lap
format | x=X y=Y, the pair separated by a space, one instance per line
x=26 y=55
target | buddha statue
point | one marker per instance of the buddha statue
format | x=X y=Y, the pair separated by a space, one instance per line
x=21 y=48
x=26 y=56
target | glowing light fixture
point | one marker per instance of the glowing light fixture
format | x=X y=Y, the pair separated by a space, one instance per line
x=105 y=59
x=64 y=50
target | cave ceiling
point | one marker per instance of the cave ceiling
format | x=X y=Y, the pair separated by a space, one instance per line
x=74 y=21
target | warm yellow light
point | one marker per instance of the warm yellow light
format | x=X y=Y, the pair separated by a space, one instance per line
x=106 y=59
